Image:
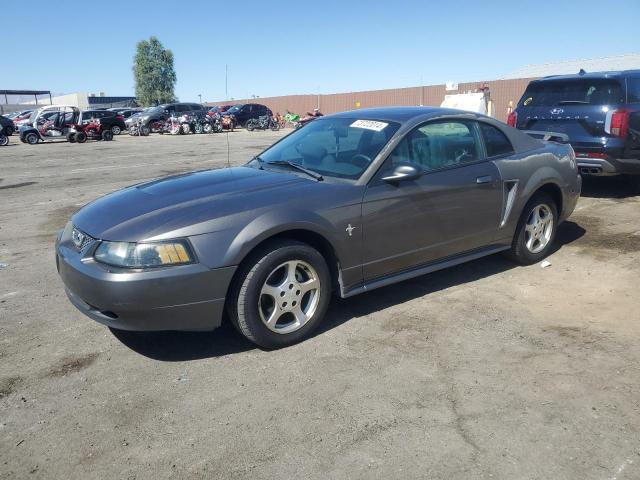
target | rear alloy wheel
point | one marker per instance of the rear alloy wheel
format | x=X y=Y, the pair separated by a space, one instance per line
x=31 y=138
x=282 y=295
x=116 y=130
x=536 y=230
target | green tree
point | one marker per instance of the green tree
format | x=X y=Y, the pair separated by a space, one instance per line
x=153 y=72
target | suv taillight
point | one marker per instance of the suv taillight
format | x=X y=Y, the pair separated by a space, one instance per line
x=617 y=123
x=512 y=119
x=120 y=117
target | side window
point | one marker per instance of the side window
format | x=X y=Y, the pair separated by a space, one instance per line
x=495 y=141
x=633 y=89
x=438 y=145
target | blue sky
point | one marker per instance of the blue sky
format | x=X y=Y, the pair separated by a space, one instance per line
x=286 y=47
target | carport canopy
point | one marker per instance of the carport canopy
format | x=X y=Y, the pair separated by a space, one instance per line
x=35 y=94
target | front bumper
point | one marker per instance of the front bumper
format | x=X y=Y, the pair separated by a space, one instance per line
x=187 y=297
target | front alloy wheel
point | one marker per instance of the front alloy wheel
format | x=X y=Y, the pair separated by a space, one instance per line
x=281 y=294
x=289 y=296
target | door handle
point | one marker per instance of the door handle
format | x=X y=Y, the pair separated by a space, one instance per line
x=484 y=179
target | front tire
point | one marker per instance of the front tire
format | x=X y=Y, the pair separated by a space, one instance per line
x=536 y=230
x=31 y=138
x=281 y=294
x=4 y=140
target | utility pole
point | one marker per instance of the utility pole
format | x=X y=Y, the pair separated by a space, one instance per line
x=200 y=97
x=226 y=82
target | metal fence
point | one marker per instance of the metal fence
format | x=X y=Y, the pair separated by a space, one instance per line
x=502 y=92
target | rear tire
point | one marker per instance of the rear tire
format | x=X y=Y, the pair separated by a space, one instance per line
x=81 y=137
x=107 y=135
x=300 y=284
x=536 y=230
x=116 y=130
x=144 y=131
x=71 y=137
x=4 y=140
x=250 y=125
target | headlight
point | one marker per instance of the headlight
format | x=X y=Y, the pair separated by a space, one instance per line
x=144 y=255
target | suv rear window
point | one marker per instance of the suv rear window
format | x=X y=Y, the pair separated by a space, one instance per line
x=581 y=91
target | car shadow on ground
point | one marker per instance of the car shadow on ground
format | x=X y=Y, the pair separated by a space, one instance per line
x=610 y=187
x=186 y=346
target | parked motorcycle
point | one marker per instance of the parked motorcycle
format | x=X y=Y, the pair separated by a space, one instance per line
x=291 y=118
x=216 y=122
x=139 y=129
x=263 y=122
x=186 y=123
x=203 y=124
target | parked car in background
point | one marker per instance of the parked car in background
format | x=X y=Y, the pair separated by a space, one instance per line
x=108 y=119
x=599 y=113
x=242 y=113
x=156 y=116
x=126 y=112
x=349 y=203
x=6 y=126
x=218 y=109
x=19 y=115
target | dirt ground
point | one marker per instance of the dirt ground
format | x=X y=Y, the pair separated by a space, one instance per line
x=485 y=370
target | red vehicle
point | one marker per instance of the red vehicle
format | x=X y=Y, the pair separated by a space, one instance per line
x=218 y=109
x=90 y=131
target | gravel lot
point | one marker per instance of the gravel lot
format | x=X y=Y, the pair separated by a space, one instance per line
x=485 y=370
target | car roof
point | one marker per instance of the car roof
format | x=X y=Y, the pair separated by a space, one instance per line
x=606 y=74
x=398 y=114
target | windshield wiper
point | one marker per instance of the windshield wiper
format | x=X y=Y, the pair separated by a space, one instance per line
x=295 y=166
x=566 y=102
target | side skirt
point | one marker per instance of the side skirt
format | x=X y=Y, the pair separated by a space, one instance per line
x=423 y=270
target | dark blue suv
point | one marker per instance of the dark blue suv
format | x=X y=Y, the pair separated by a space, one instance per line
x=599 y=113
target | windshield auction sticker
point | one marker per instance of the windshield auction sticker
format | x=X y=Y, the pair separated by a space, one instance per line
x=369 y=125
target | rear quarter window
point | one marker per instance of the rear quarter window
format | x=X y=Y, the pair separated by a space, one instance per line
x=495 y=141
x=633 y=89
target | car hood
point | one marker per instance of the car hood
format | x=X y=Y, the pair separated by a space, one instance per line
x=184 y=204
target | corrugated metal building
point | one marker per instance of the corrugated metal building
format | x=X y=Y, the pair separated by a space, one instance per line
x=503 y=91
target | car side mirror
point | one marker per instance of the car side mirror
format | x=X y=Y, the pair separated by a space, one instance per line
x=403 y=173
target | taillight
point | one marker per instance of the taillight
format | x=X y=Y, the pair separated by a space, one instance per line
x=512 y=119
x=120 y=117
x=617 y=123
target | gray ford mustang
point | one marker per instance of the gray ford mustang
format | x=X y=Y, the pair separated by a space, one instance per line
x=349 y=203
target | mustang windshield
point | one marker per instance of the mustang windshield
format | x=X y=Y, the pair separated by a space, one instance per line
x=333 y=147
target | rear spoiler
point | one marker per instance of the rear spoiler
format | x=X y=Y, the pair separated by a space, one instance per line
x=548 y=136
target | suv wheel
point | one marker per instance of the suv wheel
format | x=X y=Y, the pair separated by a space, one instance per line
x=116 y=130
x=281 y=295
x=536 y=230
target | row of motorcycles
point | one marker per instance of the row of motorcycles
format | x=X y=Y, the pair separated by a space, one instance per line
x=180 y=125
